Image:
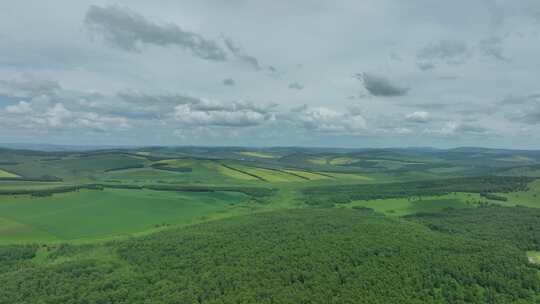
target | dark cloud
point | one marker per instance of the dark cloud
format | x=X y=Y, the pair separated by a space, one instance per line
x=128 y=30
x=296 y=86
x=228 y=82
x=241 y=55
x=380 y=86
x=424 y=66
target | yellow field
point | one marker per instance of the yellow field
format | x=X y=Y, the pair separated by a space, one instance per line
x=257 y=154
x=317 y=161
x=176 y=162
x=342 y=161
x=4 y=173
x=349 y=176
x=308 y=175
x=234 y=174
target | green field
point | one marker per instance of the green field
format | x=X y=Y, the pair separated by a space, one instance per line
x=98 y=214
x=4 y=173
x=534 y=257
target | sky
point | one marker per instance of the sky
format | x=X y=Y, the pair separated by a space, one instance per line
x=350 y=73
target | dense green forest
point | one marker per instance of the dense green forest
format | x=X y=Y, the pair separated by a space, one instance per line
x=325 y=195
x=299 y=256
x=519 y=226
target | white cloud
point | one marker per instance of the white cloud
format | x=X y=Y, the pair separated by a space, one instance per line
x=22 y=107
x=216 y=114
x=418 y=117
x=323 y=119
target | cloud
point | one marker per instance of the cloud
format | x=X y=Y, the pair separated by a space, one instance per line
x=418 y=117
x=449 y=52
x=229 y=82
x=492 y=47
x=457 y=128
x=102 y=123
x=525 y=99
x=194 y=115
x=239 y=53
x=322 y=119
x=380 y=86
x=28 y=85
x=141 y=98
x=296 y=86
x=424 y=66
x=22 y=107
x=530 y=116
x=128 y=30
x=55 y=116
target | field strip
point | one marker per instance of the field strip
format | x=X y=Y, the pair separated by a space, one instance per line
x=282 y=172
x=256 y=154
x=5 y=173
x=309 y=172
x=244 y=172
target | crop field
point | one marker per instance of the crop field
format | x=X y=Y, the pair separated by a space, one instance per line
x=309 y=175
x=4 y=173
x=256 y=154
x=97 y=214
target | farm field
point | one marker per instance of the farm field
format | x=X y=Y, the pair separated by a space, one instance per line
x=4 y=173
x=90 y=214
x=257 y=154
